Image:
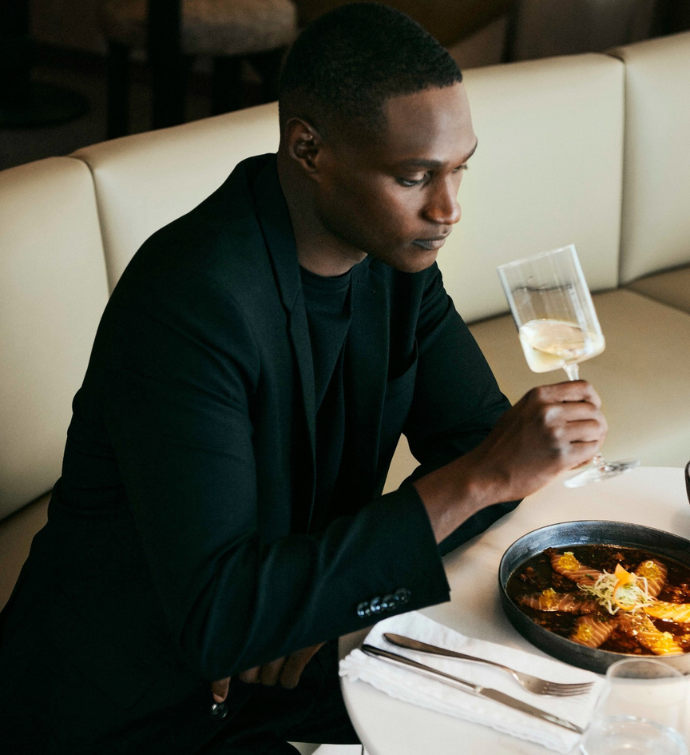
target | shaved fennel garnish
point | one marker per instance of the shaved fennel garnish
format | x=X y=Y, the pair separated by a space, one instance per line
x=614 y=595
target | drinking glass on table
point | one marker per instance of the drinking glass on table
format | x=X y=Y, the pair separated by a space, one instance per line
x=558 y=327
x=642 y=711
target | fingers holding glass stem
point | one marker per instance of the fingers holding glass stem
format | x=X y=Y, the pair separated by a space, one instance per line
x=598 y=468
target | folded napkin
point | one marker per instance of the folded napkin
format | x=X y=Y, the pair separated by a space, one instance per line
x=413 y=687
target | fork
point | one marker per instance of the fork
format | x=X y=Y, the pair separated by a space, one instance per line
x=531 y=683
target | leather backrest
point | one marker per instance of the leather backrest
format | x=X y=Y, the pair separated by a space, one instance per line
x=143 y=182
x=656 y=188
x=52 y=293
x=547 y=172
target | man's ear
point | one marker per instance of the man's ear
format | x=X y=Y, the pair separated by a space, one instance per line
x=304 y=144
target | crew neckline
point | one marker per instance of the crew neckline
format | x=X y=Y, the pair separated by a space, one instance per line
x=327 y=282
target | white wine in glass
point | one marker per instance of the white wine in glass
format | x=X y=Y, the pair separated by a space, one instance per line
x=558 y=327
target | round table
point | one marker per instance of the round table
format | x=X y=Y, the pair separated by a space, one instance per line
x=651 y=496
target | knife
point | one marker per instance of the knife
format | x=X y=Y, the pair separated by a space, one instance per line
x=473 y=689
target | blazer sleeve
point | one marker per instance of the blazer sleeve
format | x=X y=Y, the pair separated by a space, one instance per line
x=456 y=400
x=177 y=408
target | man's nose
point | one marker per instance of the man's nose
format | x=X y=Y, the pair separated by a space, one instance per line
x=442 y=207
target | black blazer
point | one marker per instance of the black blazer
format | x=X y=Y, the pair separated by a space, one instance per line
x=181 y=544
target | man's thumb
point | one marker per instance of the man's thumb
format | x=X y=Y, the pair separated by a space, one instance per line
x=220 y=689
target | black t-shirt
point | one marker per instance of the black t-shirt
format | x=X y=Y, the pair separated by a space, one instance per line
x=327 y=302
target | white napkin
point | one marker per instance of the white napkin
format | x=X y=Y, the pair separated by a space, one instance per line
x=412 y=687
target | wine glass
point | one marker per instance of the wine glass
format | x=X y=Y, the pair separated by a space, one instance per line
x=558 y=327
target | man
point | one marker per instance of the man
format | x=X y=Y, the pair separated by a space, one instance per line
x=219 y=523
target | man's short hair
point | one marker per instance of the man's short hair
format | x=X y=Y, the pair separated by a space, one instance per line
x=347 y=63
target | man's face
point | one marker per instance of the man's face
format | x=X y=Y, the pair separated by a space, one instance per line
x=394 y=195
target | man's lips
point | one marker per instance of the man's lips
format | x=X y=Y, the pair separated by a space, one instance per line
x=433 y=243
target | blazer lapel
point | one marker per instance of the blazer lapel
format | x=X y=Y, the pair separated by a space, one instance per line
x=366 y=351
x=276 y=226
x=366 y=370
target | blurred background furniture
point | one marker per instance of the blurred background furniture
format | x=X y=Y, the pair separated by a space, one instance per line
x=447 y=20
x=24 y=102
x=173 y=31
x=675 y=16
x=566 y=27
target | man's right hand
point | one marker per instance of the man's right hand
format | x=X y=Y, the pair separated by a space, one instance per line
x=285 y=670
x=552 y=429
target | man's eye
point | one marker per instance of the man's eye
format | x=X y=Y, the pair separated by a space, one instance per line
x=464 y=166
x=410 y=181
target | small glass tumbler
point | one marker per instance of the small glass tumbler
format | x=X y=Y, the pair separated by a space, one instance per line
x=642 y=711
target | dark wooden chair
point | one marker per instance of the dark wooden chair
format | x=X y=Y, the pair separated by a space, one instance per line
x=172 y=32
x=24 y=102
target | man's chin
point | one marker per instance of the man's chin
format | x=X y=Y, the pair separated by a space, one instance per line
x=414 y=260
x=406 y=259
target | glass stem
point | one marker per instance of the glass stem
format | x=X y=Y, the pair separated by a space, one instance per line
x=573 y=373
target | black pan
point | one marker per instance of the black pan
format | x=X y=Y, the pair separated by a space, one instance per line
x=569 y=534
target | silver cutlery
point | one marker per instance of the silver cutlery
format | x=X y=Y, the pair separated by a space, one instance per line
x=469 y=687
x=531 y=683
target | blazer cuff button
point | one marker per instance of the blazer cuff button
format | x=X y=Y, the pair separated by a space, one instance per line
x=389 y=603
x=402 y=596
x=219 y=711
x=363 y=610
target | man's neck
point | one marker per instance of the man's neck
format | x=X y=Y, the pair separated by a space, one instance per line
x=317 y=250
x=324 y=261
